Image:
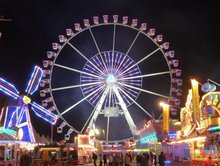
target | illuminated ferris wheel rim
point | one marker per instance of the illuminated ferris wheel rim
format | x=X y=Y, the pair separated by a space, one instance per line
x=140 y=31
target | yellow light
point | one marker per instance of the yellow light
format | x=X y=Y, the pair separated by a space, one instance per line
x=194 y=82
x=162 y=104
x=189 y=140
x=20 y=133
x=26 y=99
x=96 y=131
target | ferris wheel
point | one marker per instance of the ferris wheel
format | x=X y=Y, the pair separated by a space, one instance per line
x=109 y=74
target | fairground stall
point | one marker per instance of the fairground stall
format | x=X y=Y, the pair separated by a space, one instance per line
x=200 y=124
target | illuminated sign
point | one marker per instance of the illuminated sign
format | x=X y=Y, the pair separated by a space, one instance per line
x=149 y=138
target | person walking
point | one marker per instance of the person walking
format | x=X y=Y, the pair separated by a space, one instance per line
x=162 y=159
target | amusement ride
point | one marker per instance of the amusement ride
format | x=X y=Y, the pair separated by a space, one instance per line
x=99 y=74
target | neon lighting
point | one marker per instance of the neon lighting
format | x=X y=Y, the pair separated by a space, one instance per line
x=214 y=129
x=8 y=131
x=149 y=138
x=8 y=89
x=44 y=113
x=111 y=64
x=34 y=80
x=189 y=140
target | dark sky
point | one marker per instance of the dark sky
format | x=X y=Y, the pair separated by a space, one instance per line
x=191 y=27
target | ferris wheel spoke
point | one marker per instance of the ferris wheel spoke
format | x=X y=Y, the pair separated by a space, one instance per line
x=145 y=75
x=128 y=90
x=71 y=107
x=118 y=68
x=135 y=102
x=92 y=70
x=90 y=88
x=147 y=56
x=75 y=86
x=144 y=90
x=133 y=72
x=84 y=57
x=113 y=44
x=133 y=42
x=96 y=96
x=93 y=37
x=75 y=70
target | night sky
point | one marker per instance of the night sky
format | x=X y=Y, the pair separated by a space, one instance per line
x=192 y=28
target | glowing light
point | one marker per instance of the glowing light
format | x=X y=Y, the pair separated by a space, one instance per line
x=8 y=89
x=150 y=138
x=20 y=134
x=162 y=104
x=214 y=129
x=26 y=99
x=44 y=113
x=194 y=82
x=111 y=79
x=34 y=80
x=8 y=131
x=189 y=140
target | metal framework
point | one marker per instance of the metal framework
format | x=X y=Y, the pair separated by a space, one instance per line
x=110 y=80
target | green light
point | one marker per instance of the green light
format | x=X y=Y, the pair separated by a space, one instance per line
x=214 y=129
x=8 y=131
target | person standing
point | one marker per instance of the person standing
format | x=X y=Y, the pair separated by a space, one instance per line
x=105 y=159
x=94 y=157
x=162 y=159
x=147 y=157
x=154 y=162
x=100 y=159
x=110 y=160
x=127 y=160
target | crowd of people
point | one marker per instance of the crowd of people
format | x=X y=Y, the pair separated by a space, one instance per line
x=119 y=159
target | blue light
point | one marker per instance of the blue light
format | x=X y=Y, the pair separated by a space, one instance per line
x=44 y=113
x=8 y=89
x=34 y=80
x=111 y=78
x=214 y=129
x=149 y=138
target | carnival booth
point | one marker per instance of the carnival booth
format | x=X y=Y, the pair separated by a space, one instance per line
x=200 y=124
x=86 y=145
x=8 y=146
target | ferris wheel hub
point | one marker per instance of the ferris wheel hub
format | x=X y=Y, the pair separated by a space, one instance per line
x=111 y=79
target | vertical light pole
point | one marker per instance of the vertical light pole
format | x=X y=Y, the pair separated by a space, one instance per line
x=166 y=118
x=195 y=100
